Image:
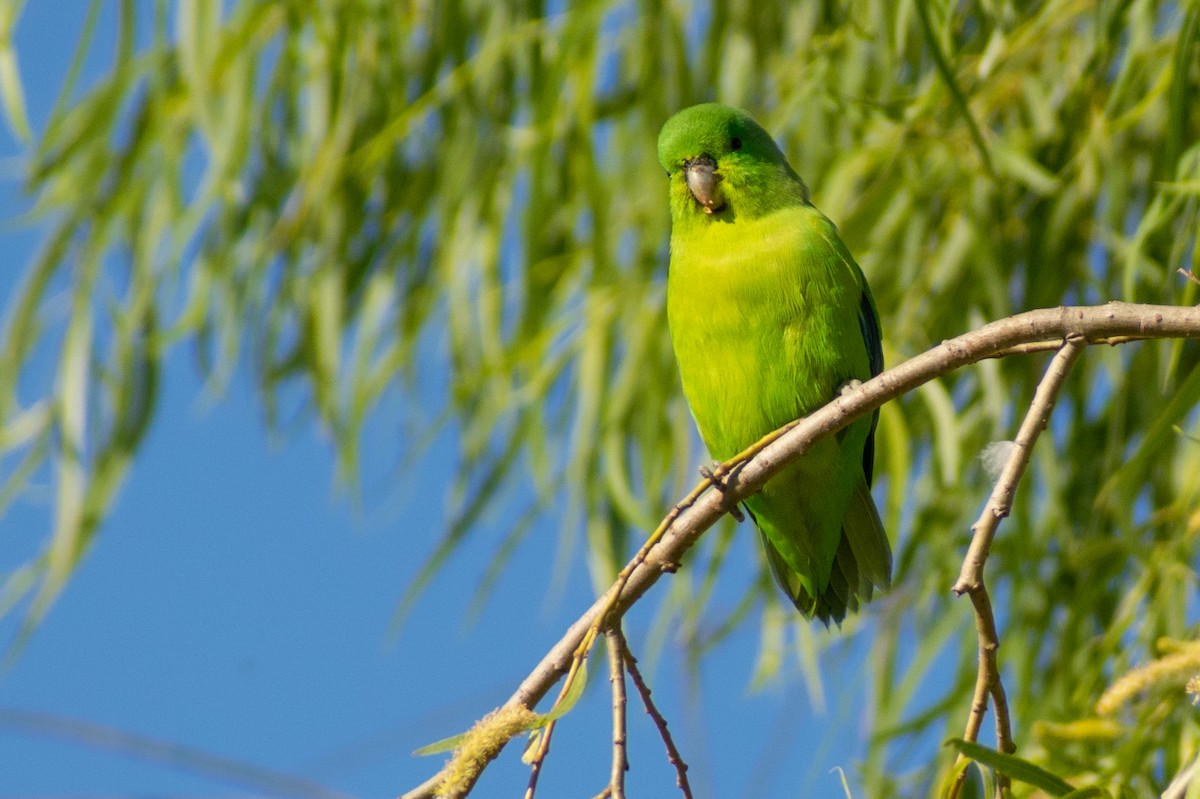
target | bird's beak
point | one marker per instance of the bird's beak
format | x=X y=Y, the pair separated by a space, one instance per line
x=702 y=180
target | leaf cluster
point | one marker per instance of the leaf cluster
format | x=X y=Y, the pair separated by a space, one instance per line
x=455 y=206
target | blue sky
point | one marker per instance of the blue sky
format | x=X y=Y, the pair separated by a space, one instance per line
x=237 y=606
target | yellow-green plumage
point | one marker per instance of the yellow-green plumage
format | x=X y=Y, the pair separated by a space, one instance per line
x=770 y=316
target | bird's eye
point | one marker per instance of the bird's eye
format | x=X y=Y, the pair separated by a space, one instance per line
x=735 y=143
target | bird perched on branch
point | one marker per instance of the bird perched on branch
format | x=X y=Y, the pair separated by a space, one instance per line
x=770 y=318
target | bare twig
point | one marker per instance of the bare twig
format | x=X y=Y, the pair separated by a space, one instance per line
x=673 y=755
x=970 y=579
x=699 y=511
x=246 y=778
x=1000 y=502
x=616 y=675
x=1055 y=344
x=1190 y=275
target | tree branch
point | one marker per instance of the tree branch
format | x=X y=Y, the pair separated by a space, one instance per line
x=616 y=675
x=1089 y=324
x=1000 y=502
x=970 y=579
x=643 y=690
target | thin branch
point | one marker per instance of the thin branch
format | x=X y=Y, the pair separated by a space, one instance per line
x=246 y=777
x=987 y=683
x=616 y=675
x=1092 y=324
x=713 y=478
x=1000 y=503
x=673 y=755
x=535 y=765
x=1054 y=345
x=956 y=94
x=971 y=580
x=1030 y=348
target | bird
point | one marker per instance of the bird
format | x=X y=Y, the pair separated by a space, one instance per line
x=770 y=318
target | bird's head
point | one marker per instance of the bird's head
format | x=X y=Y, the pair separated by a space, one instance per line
x=723 y=165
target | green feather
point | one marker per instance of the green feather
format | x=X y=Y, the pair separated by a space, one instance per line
x=769 y=317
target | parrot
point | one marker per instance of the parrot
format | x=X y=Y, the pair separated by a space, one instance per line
x=770 y=318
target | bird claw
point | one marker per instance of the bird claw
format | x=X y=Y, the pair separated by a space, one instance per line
x=719 y=483
x=853 y=384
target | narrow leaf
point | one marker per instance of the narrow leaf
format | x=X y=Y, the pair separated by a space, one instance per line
x=444 y=745
x=1014 y=767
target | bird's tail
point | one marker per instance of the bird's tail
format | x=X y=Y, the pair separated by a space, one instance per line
x=863 y=562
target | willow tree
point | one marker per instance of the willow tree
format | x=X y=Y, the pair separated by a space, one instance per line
x=324 y=188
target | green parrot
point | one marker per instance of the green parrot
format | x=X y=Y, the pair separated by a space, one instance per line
x=770 y=319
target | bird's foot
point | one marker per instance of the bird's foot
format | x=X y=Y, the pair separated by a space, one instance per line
x=719 y=483
x=853 y=384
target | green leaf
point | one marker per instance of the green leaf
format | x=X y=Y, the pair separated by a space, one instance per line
x=564 y=705
x=989 y=779
x=11 y=91
x=1013 y=767
x=952 y=776
x=531 y=745
x=1089 y=792
x=444 y=745
x=560 y=709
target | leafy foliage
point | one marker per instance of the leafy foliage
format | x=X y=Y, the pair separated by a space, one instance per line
x=356 y=195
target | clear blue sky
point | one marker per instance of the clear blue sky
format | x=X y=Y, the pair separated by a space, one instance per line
x=238 y=606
